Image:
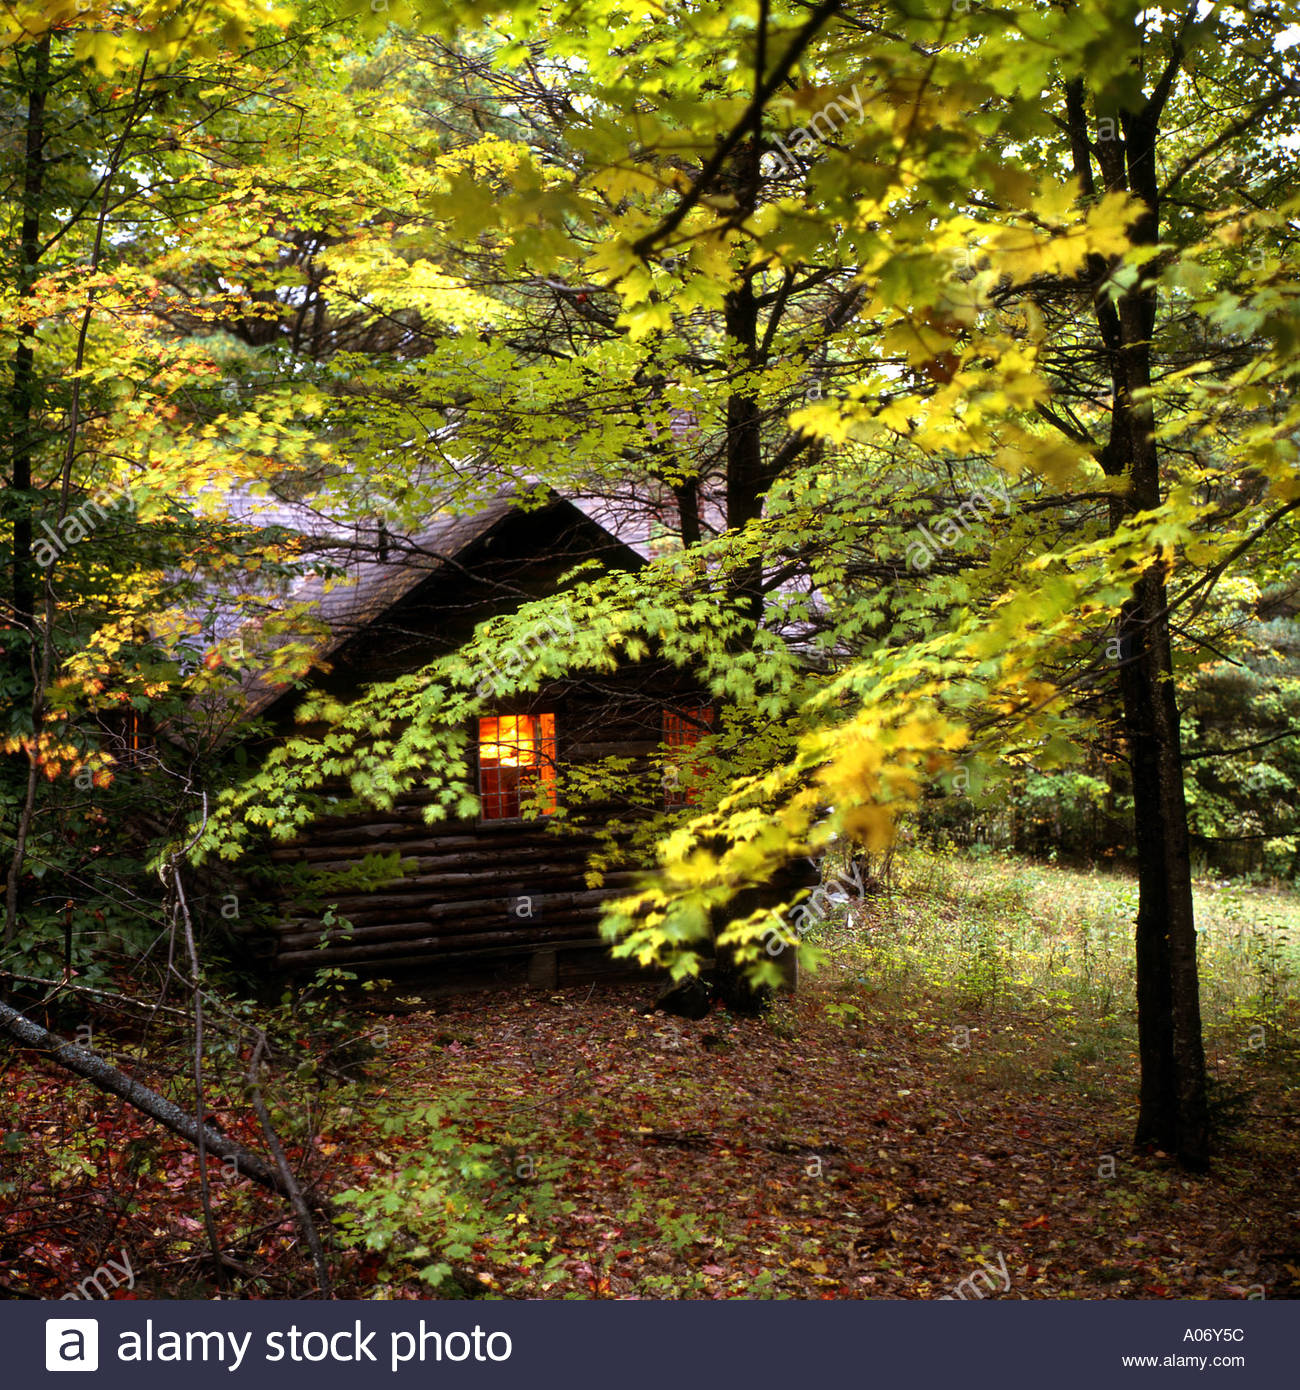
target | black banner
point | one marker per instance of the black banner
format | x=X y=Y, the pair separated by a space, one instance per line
x=650 y=1346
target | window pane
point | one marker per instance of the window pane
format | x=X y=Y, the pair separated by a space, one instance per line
x=516 y=756
x=683 y=728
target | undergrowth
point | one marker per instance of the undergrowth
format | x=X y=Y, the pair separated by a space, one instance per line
x=1001 y=934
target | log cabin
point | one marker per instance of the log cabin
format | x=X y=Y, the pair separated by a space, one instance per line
x=499 y=898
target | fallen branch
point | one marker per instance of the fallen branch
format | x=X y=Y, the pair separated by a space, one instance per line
x=108 y=1078
x=68 y=987
x=299 y=1202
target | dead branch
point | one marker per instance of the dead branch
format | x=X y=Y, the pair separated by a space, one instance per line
x=300 y=1207
x=168 y=1114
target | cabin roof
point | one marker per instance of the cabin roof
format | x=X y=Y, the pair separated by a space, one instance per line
x=373 y=570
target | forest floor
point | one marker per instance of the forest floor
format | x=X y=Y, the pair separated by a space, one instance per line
x=943 y=1109
x=912 y=1116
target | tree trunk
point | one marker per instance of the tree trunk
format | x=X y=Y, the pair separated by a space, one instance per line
x=746 y=485
x=746 y=477
x=23 y=390
x=1172 y=1110
x=22 y=412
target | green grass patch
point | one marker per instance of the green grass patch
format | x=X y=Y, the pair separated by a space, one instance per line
x=997 y=933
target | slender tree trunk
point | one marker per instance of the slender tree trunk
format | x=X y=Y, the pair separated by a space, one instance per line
x=746 y=478
x=1172 y=1111
x=23 y=402
x=746 y=481
x=745 y=488
x=687 y=497
x=41 y=639
x=23 y=390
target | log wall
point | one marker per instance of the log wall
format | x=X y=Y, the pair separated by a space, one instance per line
x=476 y=891
x=472 y=891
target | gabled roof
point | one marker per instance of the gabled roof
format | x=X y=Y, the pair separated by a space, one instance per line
x=370 y=587
x=379 y=568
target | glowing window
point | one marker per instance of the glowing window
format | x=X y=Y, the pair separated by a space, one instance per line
x=516 y=756
x=683 y=729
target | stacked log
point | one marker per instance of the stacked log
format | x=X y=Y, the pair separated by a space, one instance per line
x=471 y=890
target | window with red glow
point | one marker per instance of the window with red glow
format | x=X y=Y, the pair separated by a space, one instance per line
x=516 y=756
x=683 y=729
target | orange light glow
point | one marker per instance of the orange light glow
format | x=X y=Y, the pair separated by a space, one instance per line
x=513 y=743
x=682 y=730
x=515 y=754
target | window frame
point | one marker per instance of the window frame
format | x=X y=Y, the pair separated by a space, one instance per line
x=541 y=740
x=682 y=727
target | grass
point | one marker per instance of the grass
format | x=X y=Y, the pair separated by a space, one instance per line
x=1000 y=933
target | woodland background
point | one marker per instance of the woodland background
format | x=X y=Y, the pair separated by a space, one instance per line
x=946 y=357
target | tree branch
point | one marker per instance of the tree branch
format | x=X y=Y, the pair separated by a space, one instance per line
x=762 y=95
x=167 y=1113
